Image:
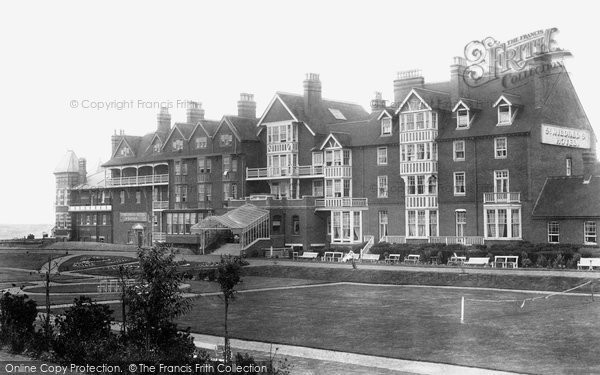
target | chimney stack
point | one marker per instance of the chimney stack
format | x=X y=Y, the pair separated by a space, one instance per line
x=590 y=164
x=457 y=82
x=114 y=141
x=194 y=112
x=378 y=103
x=164 y=120
x=405 y=81
x=312 y=91
x=82 y=171
x=246 y=106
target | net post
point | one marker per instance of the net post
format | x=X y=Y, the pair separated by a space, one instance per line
x=462 y=310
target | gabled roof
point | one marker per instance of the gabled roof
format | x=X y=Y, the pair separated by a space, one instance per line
x=365 y=132
x=386 y=112
x=316 y=118
x=185 y=130
x=208 y=127
x=339 y=139
x=130 y=141
x=68 y=164
x=569 y=197
x=509 y=99
x=154 y=137
x=243 y=128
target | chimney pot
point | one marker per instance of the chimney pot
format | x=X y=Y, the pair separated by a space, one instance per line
x=194 y=112
x=312 y=91
x=405 y=81
x=164 y=120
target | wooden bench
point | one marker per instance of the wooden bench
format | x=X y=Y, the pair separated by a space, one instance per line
x=506 y=261
x=370 y=258
x=332 y=256
x=412 y=259
x=588 y=263
x=308 y=255
x=457 y=261
x=393 y=258
x=475 y=261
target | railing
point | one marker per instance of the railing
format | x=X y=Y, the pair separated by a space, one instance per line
x=418 y=136
x=425 y=166
x=159 y=236
x=421 y=201
x=282 y=147
x=204 y=177
x=341 y=202
x=160 y=205
x=393 y=239
x=501 y=197
x=295 y=171
x=452 y=240
x=370 y=241
x=338 y=171
x=138 y=180
x=93 y=207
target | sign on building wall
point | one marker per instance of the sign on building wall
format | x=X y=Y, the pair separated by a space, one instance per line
x=568 y=137
x=129 y=217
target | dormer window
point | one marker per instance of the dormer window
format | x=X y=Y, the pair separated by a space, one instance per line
x=200 y=142
x=386 y=126
x=506 y=109
x=462 y=118
x=156 y=147
x=178 y=145
x=504 y=114
x=125 y=151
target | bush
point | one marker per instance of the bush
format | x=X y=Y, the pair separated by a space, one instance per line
x=17 y=315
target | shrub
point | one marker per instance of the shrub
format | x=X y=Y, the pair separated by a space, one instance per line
x=17 y=315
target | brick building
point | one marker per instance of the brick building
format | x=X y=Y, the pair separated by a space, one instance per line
x=445 y=162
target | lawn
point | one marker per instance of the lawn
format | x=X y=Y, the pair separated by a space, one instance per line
x=555 y=336
x=24 y=259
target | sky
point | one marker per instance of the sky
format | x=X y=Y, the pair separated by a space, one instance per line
x=62 y=60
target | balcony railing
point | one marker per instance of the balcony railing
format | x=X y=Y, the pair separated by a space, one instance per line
x=282 y=147
x=421 y=201
x=501 y=197
x=204 y=177
x=159 y=236
x=425 y=166
x=453 y=240
x=160 y=205
x=88 y=208
x=279 y=172
x=428 y=135
x=393 y=239
x=329 y=203
x=155 y=179
x=338 y=171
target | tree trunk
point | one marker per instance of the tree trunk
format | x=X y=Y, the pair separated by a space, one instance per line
x=227 y=349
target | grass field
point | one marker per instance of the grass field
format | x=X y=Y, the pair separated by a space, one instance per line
x=553 y=336
x=25 y=260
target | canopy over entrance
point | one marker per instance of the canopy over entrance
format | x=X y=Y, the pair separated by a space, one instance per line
x=247 y=223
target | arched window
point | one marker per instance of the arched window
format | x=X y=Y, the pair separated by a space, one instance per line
x=432 y=183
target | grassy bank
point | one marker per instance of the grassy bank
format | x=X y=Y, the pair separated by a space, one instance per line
x=399 y=277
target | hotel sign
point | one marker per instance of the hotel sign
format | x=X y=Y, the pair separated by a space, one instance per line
x=567 y=137
x=133 y=217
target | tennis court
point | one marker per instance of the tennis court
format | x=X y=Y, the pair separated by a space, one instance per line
x=555 y=335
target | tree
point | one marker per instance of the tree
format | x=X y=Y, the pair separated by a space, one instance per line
x=84 y=333
x=17 y=315
x=154 y=303
x=228 y=277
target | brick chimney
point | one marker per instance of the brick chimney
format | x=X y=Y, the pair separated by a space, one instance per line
x=114 y=141
x=590 y=164
x=377 y=103
x=82 y=171
x=246 y=106
x=543 y=74
x=164 y=120
x=312 y=91
x=194 y=112
x=405 y=81
x=457 y=82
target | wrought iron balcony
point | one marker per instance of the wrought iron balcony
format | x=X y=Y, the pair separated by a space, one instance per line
x=155 y=179
x=302 y=171
x=329 y=203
